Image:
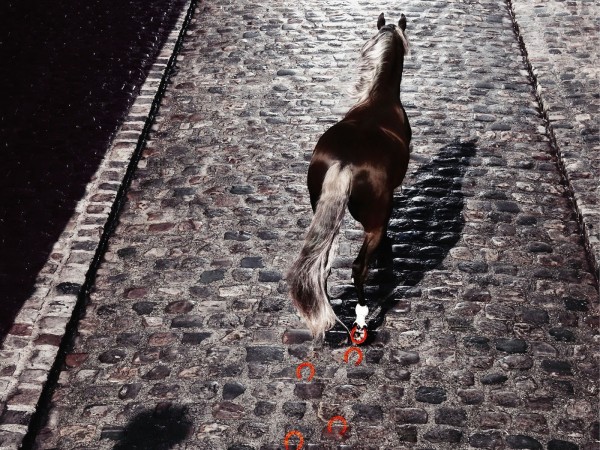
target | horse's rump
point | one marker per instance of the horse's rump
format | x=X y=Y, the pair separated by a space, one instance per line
x=378 y=158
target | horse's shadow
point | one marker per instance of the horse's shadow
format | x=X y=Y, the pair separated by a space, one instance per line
x=426 y=223
x=161 y=428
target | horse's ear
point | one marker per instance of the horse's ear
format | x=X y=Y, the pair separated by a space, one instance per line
x=402 y=22
x=380 y=21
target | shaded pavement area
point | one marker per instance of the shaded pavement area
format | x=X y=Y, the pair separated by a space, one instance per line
x=69 y=75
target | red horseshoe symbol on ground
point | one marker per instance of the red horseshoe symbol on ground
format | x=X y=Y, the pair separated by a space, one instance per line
x=337 y=419
x=357 y=341
x=301 y=366
x=356 y=350
x=286 y=440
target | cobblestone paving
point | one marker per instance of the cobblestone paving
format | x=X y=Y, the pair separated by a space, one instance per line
x=189 y=330
x=562 y=41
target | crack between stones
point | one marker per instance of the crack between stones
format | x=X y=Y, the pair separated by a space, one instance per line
x=555 y=148
x=38 y=418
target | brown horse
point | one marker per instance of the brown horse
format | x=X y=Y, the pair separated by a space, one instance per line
x=358 y=162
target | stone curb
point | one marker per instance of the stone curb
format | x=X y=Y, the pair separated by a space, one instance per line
x=579 y=168
x=32 y=344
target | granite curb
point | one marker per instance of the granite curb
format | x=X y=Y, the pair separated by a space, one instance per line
x=560 y=44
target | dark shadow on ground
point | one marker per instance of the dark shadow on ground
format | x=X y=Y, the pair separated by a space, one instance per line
x=158 y=429
x=69 y=72
x=426 y=223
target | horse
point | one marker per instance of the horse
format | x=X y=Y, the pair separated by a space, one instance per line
x=357 y=163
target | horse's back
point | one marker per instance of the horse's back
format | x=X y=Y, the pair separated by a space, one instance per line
x=364 y=145
x=378 y=156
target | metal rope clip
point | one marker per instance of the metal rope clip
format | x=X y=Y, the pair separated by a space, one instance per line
x=286 y=440
x=356 y=350
x=337 y=419
x=301 y=366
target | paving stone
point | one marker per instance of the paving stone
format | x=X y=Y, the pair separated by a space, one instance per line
x=157 y=373
x=191 y=321
x=211 y=276
x=68 y=288
x=491 y=439
x=112 y=356
x=511 y=345
x=368 y=413
x=194 y=338
x=563 y=387
x=307 y=391
x=471 y=396
x=205 y=389
x=112 y=433
x=451 y=416
x=434 y=395
x=294 y=410
x=264 y=408
x=494 y=378
x=227 y=411
x=535 y=316
x=129 y=391
x=495 y=420
x=477 y=342
x=522 y=441
x=252 y=262
x=557 y=367
x=594 y=431
x=557 y=444
x=562 y=334
x=179 y=307
x=531 y=421
x=129 y=339
x=443 y=435
x=16 y=417
x=233 y=390
x=407 y=434
x=516 y=362
x=506 y=399
x=264 y=354
x=540 y=402
x=573 y=304
x=410 y=415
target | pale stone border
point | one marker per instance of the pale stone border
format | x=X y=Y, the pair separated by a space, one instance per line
x=31 y=346
x=542 y=70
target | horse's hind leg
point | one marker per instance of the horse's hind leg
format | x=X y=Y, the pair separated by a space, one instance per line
x=360 y=269
x=385 y=257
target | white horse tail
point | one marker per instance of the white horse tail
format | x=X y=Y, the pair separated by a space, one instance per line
x=307 y=276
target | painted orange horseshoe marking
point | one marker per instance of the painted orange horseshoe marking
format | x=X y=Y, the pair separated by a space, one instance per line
x=337 y=419
x=357 y=341
x=301 y=366
x=286 y=440
x=356 y=350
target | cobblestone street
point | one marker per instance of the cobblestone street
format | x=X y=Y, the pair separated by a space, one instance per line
x=489 y=336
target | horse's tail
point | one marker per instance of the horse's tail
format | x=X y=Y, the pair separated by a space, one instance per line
x=308 y=275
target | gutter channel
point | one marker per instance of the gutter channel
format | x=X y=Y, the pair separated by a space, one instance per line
x=555 y=148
